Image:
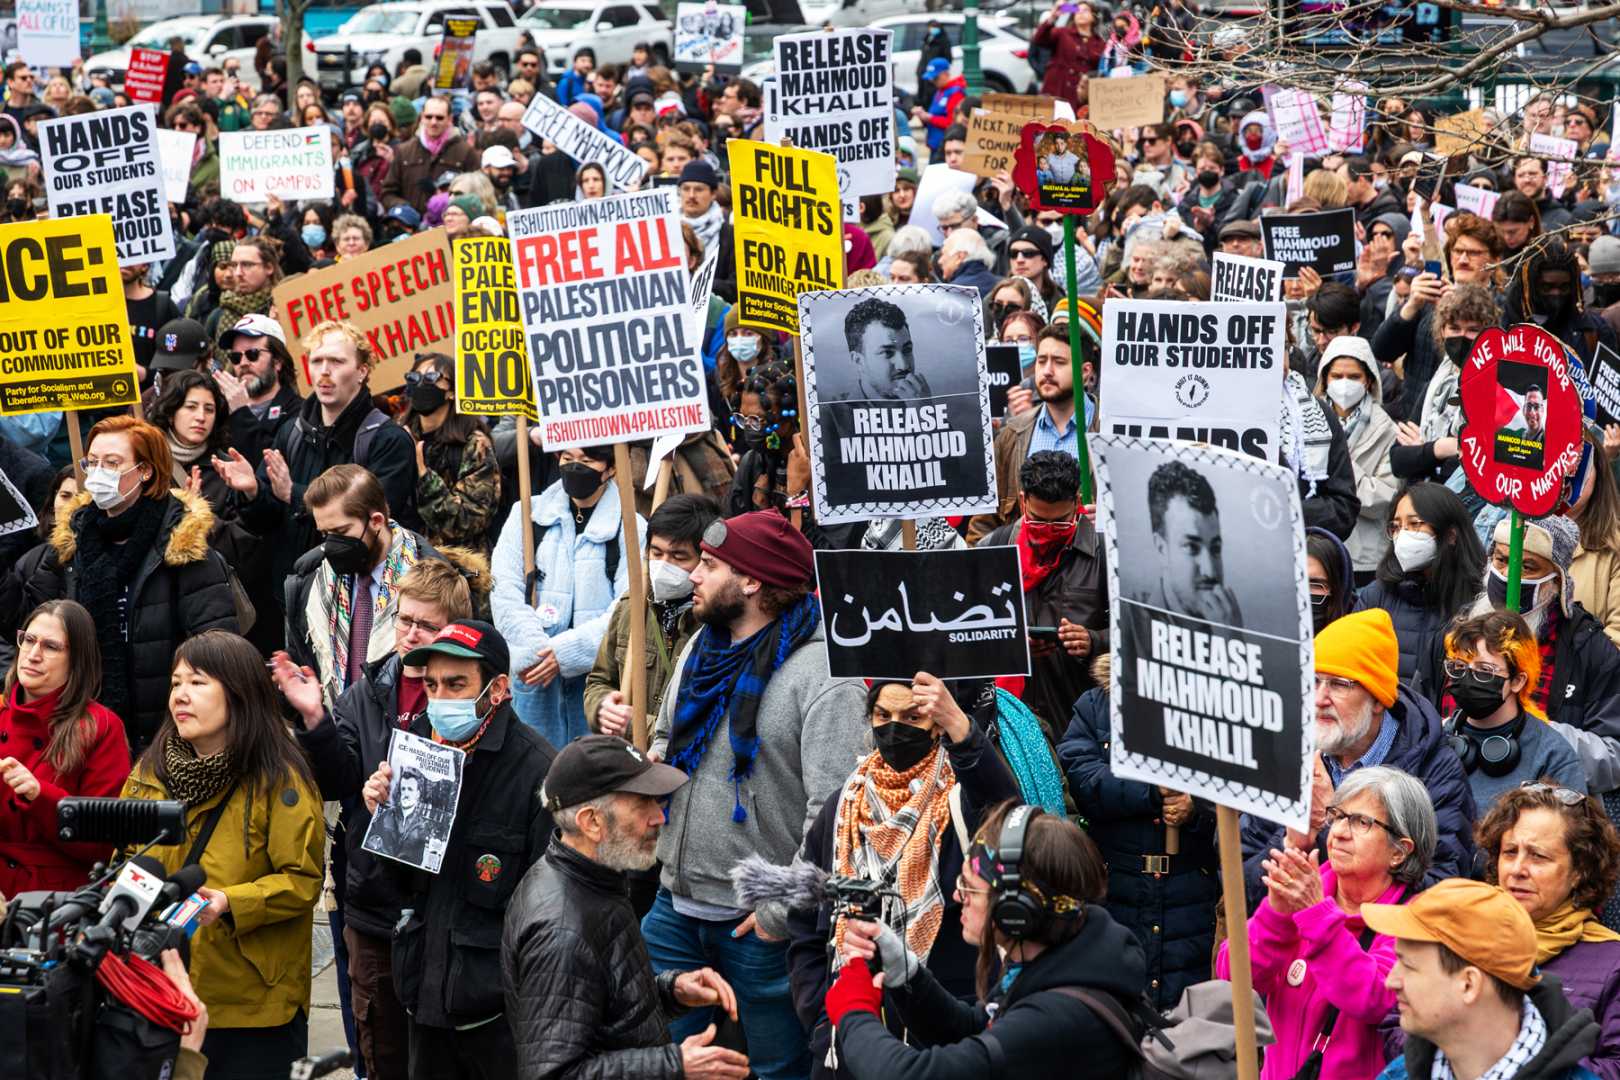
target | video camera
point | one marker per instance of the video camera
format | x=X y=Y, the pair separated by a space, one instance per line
x=74 y=1018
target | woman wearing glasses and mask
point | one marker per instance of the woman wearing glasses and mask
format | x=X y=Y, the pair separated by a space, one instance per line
x=56 y=740
x=1319 y=968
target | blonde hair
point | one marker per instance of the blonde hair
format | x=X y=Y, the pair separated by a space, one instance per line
x=344 y=330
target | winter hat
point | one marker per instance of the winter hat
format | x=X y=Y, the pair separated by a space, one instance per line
x=669 y=104
x=1399 y=224
x=1034 y=234
x=1362 y=646
x=1552 y=538
x=910 y=176
x=434 y=216
x=403 y=112
x=1603 y=257
x=698 y=171
x=471 y=205
x=765 y=546
x=103 y=97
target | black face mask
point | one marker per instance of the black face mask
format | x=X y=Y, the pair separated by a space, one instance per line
x=1458 y=347
x=579 y=480
x=378 y=132
x=1478 y=700
x=999 y=313
x=17 y=207
x=1209 y=178
x=1605 y=293
x=901 y=745
x=347 y=554
x=427 y=397
x=751 y=440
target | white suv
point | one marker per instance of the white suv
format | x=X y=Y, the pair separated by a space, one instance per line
x=385 y=33
x=612 y=28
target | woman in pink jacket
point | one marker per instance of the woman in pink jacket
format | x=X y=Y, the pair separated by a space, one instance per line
x=1314 y=960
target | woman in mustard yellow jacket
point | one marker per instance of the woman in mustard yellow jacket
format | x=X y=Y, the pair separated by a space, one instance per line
x=225 y=752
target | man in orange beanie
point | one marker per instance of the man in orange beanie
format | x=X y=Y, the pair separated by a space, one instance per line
x=1364 y=716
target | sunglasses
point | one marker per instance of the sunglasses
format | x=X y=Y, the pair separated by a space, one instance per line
x=1023 y=253
x=250 y=355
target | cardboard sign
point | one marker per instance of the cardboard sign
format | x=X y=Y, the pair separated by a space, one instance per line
x=148 y=69
x=1198 y=372
x=1521 y=434
x=106 y=162
x=606 y=304
x=1238 y=277
x=291 y=164
x=399 y=296
x=585 y=142
x=1324 y=241
x=1476 y=200
x=175 y=150
x=899 y=421
x=1063 y=167
x=891 y=614
x=1605 y=379
x=492 y=358
x=1029 y=106
x=835 y=94
x=1126 y=103
x=788 y=230
x=1209 y=607
x=1004 y=371
x=992 y=142
x=48 y=32
x=1460 y=132
x=453 y=69
x=64 y=331
x=709 y=33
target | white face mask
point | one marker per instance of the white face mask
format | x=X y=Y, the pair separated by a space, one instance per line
x=669 y=582
x=1346 y=393
x=104 y=486
x=1414 y=550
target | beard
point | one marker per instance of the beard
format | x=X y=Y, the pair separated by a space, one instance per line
x=622 y=852
x=258 y=384
x=1346 y=734
x=724 y=608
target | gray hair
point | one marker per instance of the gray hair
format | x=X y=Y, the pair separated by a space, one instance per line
x=1410 y=810
x=960 y=204
x=910 y=240
x=566 y=817
x=971 y=245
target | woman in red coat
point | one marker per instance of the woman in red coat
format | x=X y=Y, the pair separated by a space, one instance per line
x=1075 y=46
x=55 y=741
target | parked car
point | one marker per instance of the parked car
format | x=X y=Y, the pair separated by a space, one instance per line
x=610 y=27
x=387 y=33
x=210 y=40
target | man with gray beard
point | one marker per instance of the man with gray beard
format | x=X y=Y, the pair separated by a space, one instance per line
x=1364 y=716
x=581 y=996
x=254 y=371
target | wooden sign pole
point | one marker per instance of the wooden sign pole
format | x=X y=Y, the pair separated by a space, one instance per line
x=635 y=660
x=1237 y=937
x=525 y=494
x=75 y=444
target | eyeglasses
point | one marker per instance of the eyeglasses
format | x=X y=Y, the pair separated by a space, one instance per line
x=1567 y=796
x=1461 y=669
x=417 y=378
x=408 y=624
x=27 y=641
x=1360 y=824
x=435 y=116
x=23 y=78
x=1381 y=234
x=1336 y=686
x=751 y=423
x=1149 y=140
x=115 y=464
x=1395 y=528
x=947 y=229
x=961 y=888
x=250 y=355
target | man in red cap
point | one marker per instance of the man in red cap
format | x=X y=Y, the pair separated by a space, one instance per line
x=752 y=717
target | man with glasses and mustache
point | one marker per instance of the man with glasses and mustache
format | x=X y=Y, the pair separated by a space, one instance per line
x=1364 y=716
x=20 y=99
x=257 y=378
x=437 y=148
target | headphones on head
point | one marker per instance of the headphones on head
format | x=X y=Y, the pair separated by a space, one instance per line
x=1018 y=907
x=1493 y=755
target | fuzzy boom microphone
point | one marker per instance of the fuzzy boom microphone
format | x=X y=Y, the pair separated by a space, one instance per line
x=800 y=885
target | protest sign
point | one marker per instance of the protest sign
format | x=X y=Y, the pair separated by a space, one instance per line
x=1211 y=687
x=1198 y=372
x=1029 y=106
x=399 y=296
x=1063 y=167
x=835 y=93
x=16 y=513
x=1347 y=128
x=890 y=614
x=492 y=357
x=48 y=32
x=606 y=304
x=788 y=229
x=175 y=149
x=1238 y=277
x=703 y=290
x=1557 y=152
x=1324 y=241
x=1460 y=132
x=935 y=181
x=1127 y=103
x=1521 y=435
x=414 y=825
x=1004 y=371
x=584 y=142
x=899 y=421
x=64 y=331
x=1605 y=378
x=453 y=68
x=291 y=164
x=8 y=40
x=148 y=68
x=1476 y=200
x=106 y=162
x=992 y=142
x=1298 y=120
x=709 y=33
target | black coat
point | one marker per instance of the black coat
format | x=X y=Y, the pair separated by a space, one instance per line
x=1572 y=1035
x=1171 y=913
x=1335 y=505
x=1395 y=338
x=252 y=435
x=1038 y=1034
x=447 y=958
x=581 y=997
x=1419 y=629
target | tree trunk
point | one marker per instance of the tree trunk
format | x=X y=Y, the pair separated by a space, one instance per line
x=292 y=39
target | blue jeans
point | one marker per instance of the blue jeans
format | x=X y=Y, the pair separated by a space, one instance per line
x=778 y=1048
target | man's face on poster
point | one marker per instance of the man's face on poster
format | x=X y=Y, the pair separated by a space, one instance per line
x=1190 y=554
x=409 y=793
x=886 y=363
x=1535 y=411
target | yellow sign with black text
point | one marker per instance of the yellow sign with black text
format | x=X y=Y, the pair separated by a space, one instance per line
x=789 y=230
x=492 y=355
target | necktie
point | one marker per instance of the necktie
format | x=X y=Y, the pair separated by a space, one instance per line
x=359 y=628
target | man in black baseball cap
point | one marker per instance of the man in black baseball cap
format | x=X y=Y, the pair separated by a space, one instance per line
x=577 y=976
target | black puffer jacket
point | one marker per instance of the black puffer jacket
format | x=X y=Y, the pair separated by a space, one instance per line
x=581 y=997
x=1419 y=628
x=1039 y=1034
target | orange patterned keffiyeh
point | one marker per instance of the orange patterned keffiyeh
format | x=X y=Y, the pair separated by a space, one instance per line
x=885 y=831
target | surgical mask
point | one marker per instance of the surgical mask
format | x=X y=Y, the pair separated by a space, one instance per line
x=1178 y=99
x=902 y=746
x=455 y=719
x=579 y=480
x=1478 y=700
x=347 y=554
x=1346 y=393
x=1055 y=231
x=104 y=486
x=378 y=132
x=1496 y=589
x=1026 y=354
x=743 y=347
x=1414 y=550
x=669 y=582
x=427 y=397
x=1458 y=346
x=1380 y=184
x=313 y=235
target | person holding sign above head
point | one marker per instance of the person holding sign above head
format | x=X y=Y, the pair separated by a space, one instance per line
x=447 y=955
x=1069 y=29
x=1364 y=717
x=1347 y=376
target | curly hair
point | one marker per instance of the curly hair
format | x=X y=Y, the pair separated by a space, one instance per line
x=1176 y=480
x=176 y=387
x=1594 y=846
x=1464 y=303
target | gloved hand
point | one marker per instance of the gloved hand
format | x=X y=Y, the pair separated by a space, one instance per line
x=900 y=964
x=853 y=992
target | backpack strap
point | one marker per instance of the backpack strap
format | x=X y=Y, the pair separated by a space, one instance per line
x=537 y=576
x=373 y=423
x=958 y=818
x=1111 y=1012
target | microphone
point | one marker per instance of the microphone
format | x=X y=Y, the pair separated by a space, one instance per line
x=800 y=885
x=183 y=882
x=139 y=886
x=119 y=821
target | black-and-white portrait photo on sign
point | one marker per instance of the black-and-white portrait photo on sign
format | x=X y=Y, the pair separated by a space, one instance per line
x=895 y=385
x=1211 y=689
x=413 y=826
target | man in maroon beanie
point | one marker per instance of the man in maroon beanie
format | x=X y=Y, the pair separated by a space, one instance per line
x=766 y=737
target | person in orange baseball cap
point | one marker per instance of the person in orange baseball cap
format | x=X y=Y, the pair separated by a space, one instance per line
x=1472 y=1003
